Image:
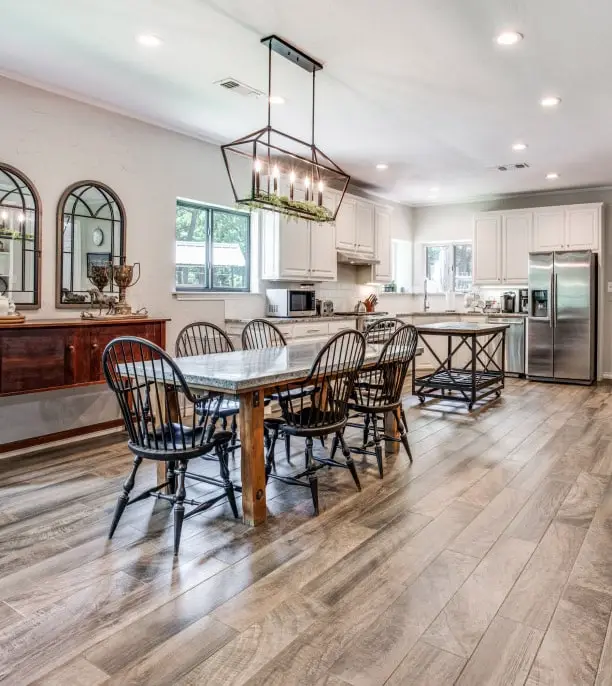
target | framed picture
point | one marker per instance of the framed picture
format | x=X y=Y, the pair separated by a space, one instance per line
x=97 y=259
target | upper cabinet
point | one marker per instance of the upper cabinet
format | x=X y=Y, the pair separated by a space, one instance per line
x=294 y=250
x=355 y=230
x=503 y=240
x=383 y=272
x=365 y=227
x=345 y=224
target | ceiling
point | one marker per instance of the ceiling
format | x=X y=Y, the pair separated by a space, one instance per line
x=420 y=85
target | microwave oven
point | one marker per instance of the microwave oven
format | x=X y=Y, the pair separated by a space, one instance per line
x=291 y=302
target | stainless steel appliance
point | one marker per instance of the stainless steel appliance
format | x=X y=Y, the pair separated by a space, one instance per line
x=562 y=316
x=515 y=342
x=523 y=307
x=292 y=302
x=509 y=302
x=327 y=307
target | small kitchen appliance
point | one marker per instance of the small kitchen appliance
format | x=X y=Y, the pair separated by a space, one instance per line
x=524 y=300
x=327 y=307
x=292 y=302
x=509 y=302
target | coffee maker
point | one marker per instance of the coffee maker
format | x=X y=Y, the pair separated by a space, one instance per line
x=524 y=300
x=509 y=301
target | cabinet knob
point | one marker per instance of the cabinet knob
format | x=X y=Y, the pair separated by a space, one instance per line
x=94 y=346
x=70 y=348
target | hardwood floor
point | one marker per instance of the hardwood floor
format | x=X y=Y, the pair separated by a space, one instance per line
x=488 y=561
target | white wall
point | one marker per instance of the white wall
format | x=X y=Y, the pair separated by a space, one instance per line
x=454 y=222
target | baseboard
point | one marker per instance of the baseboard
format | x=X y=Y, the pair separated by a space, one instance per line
x=40 y=441
x=607 y=375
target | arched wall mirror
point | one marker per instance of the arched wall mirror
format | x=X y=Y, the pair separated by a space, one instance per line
x=90 y=233
x=19 y=239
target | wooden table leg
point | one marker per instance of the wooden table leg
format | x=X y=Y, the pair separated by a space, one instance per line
x=391 y=429
x=252 y=458
x=169 y=410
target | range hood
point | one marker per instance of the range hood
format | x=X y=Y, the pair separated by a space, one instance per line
x=356 y=258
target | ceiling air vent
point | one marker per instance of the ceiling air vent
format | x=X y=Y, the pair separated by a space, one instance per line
x=510 y=167
x=236 y=86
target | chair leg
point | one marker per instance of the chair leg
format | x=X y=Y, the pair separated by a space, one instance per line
x=312 y=476
x=366 y=429
x=378 y=446
x=404 y=418
x=179 y=507
x=288 y=446
x=334 y=447
x=125 y=496
x=402 y=431
x=349 y=460
x=270 y=462
x=234 y=430
x=223 y=456
x=171 y=476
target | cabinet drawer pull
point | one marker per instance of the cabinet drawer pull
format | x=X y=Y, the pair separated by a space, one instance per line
x=94 y=346
x=70 y=348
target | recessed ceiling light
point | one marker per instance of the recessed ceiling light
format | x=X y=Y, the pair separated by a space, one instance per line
x=381 y=166
x=149 y=40
x=509 y=38
x=550 y=101
x=517 y=147
x=276 y=100
x=552 y=176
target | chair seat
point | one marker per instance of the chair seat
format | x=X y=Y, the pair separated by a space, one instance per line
x=195 y=443
x=295 y=393
x=323 y=423
x=227 y=408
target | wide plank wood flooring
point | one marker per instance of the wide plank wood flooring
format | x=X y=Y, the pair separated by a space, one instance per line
x=488 y=561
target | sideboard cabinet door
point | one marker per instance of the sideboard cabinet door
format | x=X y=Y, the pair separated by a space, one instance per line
x=40 y=359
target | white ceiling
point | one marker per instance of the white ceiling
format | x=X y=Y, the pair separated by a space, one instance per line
x=419 y=84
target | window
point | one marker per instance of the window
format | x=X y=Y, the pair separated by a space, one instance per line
x=448 y=267
x=212 y=248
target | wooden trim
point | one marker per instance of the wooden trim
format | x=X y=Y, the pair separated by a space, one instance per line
x=59 y=435
x=58 y=323
x=59 y=219
x=38 y=235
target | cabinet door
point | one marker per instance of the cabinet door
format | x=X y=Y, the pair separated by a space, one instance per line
x=294 y=258
x=40 y=359
x=487 y=249
x=323 y=261
x=516 y=242
x=382 y=224
x=101 y=336
x=365 y=227
x=346 y=236
x=549 y=229
x=582 y=228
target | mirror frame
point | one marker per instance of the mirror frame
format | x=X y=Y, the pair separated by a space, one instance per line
x=60 y=235
x=37 y=235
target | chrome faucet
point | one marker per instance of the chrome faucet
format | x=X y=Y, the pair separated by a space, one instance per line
x=425 y=297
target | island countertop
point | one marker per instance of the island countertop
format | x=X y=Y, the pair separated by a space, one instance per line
x=459 y=328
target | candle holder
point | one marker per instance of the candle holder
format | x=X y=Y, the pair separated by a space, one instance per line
x=123 y=276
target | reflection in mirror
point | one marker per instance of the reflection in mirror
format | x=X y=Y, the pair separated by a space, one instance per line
x=19 y=239
x=91 y=234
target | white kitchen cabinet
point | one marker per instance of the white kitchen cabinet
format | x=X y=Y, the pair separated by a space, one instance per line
x=323 y=261
x=516 y=243
x=582 y=227
x=297 y=250
x=486 y=249
x=345 y=224
x=549 y=229
x=365 y=227
x=383 y=272
x=567 y=227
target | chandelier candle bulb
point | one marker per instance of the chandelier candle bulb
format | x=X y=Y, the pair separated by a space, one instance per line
x=275 y=177
x=291 y=185
x=307 y=187
x=257 y=175
x=320 y=196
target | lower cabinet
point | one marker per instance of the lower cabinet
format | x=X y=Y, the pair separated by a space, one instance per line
x=46 y=355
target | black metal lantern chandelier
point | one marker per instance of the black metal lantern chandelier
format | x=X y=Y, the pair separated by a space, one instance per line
x=272 y=170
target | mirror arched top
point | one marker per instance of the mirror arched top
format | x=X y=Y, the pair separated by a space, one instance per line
x=20 y=211
x=90 y=232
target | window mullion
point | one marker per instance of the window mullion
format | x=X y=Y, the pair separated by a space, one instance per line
x=209 y=250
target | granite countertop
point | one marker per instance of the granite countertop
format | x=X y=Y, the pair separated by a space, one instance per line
x=460 y=328
x=295 y=320
x=429 y=313
x=244 y=370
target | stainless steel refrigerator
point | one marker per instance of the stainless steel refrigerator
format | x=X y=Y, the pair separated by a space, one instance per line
x=561 y=328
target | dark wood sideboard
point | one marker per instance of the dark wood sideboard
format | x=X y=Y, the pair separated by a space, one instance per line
x=44 y=355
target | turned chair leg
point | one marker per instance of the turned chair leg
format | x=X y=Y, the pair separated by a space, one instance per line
x=179 y=506
x=402 y=430
x=234 y=430
x=349 y=460
x=171 y=476
x=223 y=456
x=125 y=496
x=366 y=429
x=270 y=447
x=378 y=449
x=288 y=446
x=312 y=475
x=334 y=447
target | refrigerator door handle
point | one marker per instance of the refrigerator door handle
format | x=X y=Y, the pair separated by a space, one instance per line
x=551 y=297
x=555 y=302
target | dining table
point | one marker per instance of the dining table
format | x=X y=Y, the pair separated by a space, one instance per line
x=248 y=376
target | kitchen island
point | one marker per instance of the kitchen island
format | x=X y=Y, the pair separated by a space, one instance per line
x=470 y=371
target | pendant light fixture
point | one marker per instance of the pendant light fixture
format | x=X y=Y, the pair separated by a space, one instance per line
x=275 y=171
